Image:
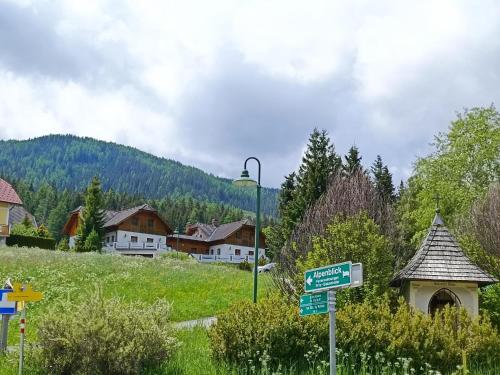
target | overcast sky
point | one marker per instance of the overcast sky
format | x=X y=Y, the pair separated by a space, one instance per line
x=209 y=83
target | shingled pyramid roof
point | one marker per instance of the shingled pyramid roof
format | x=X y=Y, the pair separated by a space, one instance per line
x=441 y=259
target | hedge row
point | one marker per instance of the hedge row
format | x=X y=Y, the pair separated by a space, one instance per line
x=31 y=241
x=364 y=333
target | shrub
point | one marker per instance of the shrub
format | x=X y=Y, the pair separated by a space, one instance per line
x=271 y=326
x=102 y=336
x=262 y=261
x=245 y=266
x=31 y=241
x=365 y=333
x=63 y=245
x=358 y=239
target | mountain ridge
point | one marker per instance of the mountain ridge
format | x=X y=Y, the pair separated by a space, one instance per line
x=69 y=162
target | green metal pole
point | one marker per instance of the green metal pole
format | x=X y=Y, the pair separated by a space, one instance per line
x=256 y=253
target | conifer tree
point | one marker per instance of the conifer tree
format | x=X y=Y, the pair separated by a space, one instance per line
x=318 y=163
x=287 y=192
x=92 y=219
x=300 y=190
x=59 y=215
x=352 y=161
x=383 y=179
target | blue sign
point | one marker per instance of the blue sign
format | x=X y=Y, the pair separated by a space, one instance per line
x=6 y=307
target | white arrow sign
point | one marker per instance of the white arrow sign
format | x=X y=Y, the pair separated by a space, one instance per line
x=309 y=280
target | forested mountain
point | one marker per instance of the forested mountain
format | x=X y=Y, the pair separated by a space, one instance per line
x=70 y=162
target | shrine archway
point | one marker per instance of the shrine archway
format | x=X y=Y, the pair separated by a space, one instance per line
x=443 y=297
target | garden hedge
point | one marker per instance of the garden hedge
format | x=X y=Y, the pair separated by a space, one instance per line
x=31 y=241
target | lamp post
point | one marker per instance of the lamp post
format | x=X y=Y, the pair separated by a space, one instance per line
x=246 y=181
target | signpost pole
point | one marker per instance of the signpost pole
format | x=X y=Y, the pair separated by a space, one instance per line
x=21 y=343
x=331 y=310
x=5 y=332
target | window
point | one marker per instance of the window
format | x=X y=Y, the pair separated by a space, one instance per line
x=218 y=251
x=211 y=251
x=135 y=221
x=133 y=238
x=151 y=223
x=113 y=238
x=237 y=251
x=250 y=252
x=107 y=239
x=149 y=240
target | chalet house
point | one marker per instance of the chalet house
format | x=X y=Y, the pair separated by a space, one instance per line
x=8 y=200
x=134 y=231
x=232 y=242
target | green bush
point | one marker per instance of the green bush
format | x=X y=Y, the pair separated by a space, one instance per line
x=101 y=336
x=245 y=266
x=442 y=340
x=63 y=245
x=31 y=241
x=357 y=239
x=365 y=334
x=270 y=326
x=262 y=261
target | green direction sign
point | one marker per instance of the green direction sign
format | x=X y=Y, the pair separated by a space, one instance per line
x=329 y=277
x=311 y=304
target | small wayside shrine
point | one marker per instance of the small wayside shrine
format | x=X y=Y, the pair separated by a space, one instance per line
x=440 y=274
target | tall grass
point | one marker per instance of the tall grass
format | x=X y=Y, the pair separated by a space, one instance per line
x=195 y=290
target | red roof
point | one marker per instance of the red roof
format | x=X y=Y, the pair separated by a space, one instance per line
x=8 y=194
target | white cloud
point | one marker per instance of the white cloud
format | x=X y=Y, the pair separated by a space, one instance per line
x=191 y=80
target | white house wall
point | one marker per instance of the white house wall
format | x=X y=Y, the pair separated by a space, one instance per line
x=125 y=236
x=122 y=236
x=420 y=293
x=228 y=249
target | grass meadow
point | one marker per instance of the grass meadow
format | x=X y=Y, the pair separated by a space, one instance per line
x=195 y=290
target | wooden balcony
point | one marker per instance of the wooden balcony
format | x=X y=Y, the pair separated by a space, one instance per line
x=4 y=230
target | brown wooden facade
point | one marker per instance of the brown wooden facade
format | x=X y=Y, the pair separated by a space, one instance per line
x=143 y=222
x=245 y=236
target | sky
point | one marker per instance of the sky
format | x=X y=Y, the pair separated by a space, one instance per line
x=209 y=83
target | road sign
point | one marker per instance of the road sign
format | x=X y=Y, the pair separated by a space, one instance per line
x=6 y=306
x=311 y=304
x=329 y=277
x=26 y=295
x=356 y=275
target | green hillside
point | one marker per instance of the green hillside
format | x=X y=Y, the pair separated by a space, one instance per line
x=69 y=162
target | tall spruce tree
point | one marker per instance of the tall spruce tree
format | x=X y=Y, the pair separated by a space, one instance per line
x=352 y=161
x=92 y=219
x=58 y=215
x=318 y=163
x=383 y=179
x=298 y=192
x=287 y=192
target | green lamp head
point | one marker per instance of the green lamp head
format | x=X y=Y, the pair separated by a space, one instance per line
x=245 y=180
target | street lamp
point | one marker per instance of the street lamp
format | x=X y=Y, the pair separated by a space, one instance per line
x=246 y=181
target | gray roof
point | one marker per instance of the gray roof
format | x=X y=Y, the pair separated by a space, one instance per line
x=224 y=230
x=112 y=218
x=440 y=258
x=17 y=215
x=215 y=233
